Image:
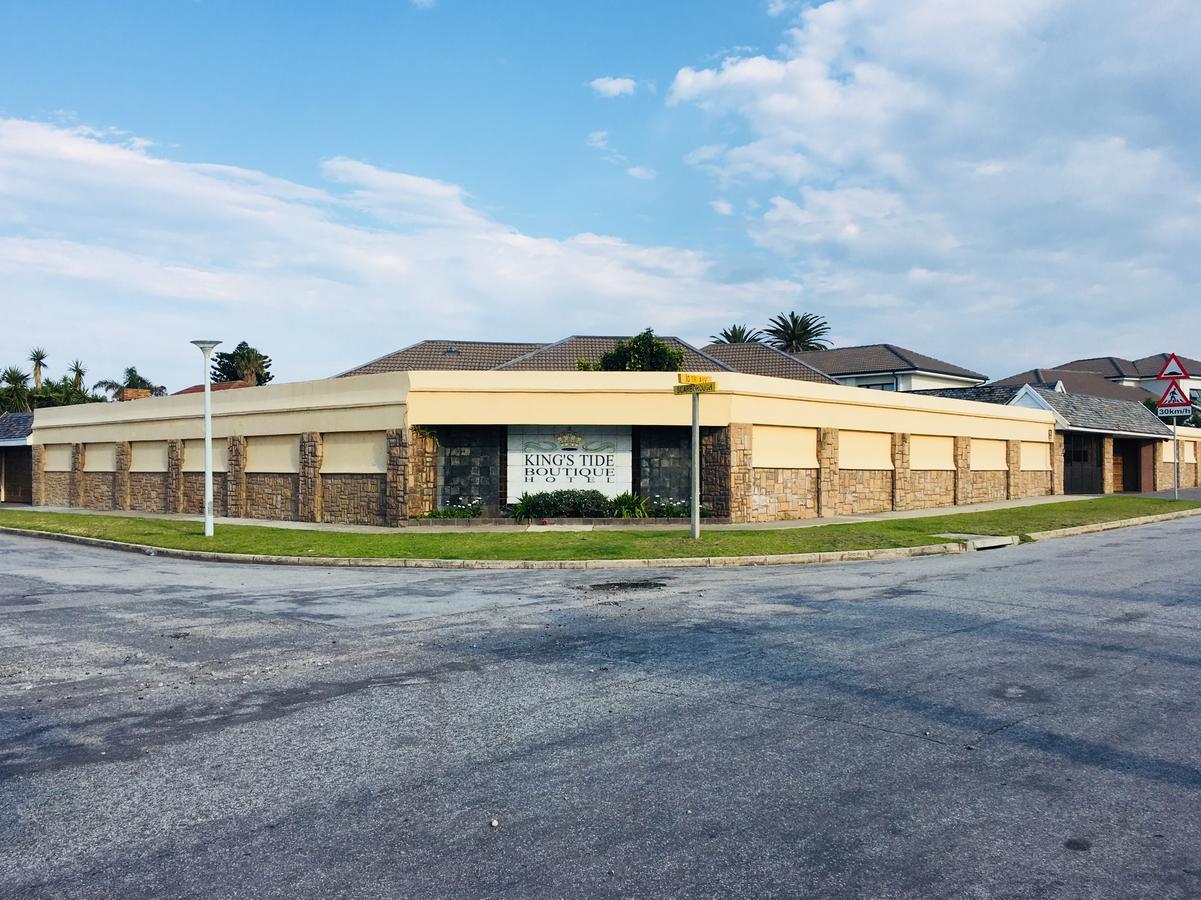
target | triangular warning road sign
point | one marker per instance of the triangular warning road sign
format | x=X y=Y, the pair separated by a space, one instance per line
x=1175 y=396
x=1172 y=369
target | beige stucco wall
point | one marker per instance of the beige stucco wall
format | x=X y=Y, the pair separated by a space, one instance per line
x=101 y=457
x=363 y=403
x=931 y=452
x=193 y=455
x=57 y=458
x=988 y=456
x=355 y=452
x=273 y=453
x=776 y=447
x=1036 y=457
x=148 y=456
x=864 y=450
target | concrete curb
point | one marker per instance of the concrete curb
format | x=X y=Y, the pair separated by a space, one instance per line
x=1110 y=526
x=783 y=559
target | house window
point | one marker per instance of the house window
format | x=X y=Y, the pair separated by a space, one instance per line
x=889 y=386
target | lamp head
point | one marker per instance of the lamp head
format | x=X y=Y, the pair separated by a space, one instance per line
x=206 y=347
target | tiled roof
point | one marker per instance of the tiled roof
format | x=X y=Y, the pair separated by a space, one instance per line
x=1103 y=414
x=753 y=358
x=15 y=426
x=880 y=358
x=982 y=393
x=216 y=386
x=474 y=355
x=1107 y=366
x=563 y=355
x=1151 y=366
x=1088 y=383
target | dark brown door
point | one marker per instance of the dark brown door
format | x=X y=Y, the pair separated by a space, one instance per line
x=17 y=465
x=1081 y=463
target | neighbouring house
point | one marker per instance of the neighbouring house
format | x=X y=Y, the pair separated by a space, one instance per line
x=887 y=367
x=16 y=461
x=216 y=386
x=1104 y=444
x=753 y=358
x=1072 y=381
x=1140 y=373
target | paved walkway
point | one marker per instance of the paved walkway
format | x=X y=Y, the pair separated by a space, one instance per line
x=434 y=527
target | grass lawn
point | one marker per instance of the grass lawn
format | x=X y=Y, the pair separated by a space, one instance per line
x=633 y=544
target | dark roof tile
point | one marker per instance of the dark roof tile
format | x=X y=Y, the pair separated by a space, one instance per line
x=880 y=358
x=471 y=355
x=563 y=355
x=753 y=358
x=15 y=426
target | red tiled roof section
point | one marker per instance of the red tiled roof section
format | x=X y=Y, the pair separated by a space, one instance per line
x=1151 y=366
x=217 y=386
x=1106 y=366
x=760 y=359
x=563 y=355
x=472 y=355
x=880 y=358
x=1088 y=384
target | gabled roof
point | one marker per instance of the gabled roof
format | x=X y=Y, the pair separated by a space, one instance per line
x=981 y=393
x=754 y=358
x=563 y=355
x=1087 y=383
x=15 y=427
x=1104 y=414
x=425 y=355
x=1106 y=366
x=872 y=358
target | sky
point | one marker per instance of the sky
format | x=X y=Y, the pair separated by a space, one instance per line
x=1002 y=185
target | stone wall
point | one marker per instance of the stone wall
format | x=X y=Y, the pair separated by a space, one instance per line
x=272 y=495
x=148 y=491
x=664 y=462
x=56 y=489
x=715 y=472
x=193 y=493
x=98 y=490
x=469 y=463
x=235 y=478
x=354 y=499
x=931 y=487
x=864 y=491
x=778 y=494
x=1035 y=484
x=988 y=486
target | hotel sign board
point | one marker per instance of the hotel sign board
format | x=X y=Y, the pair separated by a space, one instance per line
x=543 y=458
x=694 y=384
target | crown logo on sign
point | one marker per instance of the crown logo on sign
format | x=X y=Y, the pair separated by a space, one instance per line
x=568 y=440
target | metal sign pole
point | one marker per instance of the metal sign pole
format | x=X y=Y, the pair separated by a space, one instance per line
x=1176 y=458
x=696 y=465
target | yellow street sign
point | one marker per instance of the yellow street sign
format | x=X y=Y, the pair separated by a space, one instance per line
x=703 y=387
x=694 y=379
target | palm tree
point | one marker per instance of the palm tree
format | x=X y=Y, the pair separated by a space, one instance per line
x=14 y=396
x=796 y=334
x=77 y=371
x=738 y=334
x=37 y=356
x=243 y=363
x=130 y=379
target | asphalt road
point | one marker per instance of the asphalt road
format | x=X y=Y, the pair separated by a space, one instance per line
x=1018 y=722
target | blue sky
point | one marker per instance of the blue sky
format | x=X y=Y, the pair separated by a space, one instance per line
x=1003 y=185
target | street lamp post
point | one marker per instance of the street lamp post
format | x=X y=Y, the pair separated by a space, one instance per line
x=206 y=347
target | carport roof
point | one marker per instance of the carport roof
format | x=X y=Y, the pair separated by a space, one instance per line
x=1103 y=414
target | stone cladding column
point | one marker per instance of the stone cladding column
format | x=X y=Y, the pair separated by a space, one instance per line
x=235 y=478
x=1057 y=465
x=75 y=491
x=312 y=449
x=1013 y=466
x=716 y=487
x=742 y=476
x=175 y=476
x=38 y=460
x=421 y=483
x=828 y=479
x=397 y=477
x=963 y=470
x=1107 y=464
x=123 y=459
x=902 y=476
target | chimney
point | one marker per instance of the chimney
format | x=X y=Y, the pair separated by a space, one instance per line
x=127 y=393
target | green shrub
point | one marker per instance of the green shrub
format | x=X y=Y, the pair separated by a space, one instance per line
x=472 y=510
x=629 y=506
x=562 y=505
x=670 y=508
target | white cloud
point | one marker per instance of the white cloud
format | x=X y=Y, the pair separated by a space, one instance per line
x=424 y=4
x=643 y=173
x=613 y=87
x=722 y=207
x=599 y=140
x=120 y=256
x=986 y=170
